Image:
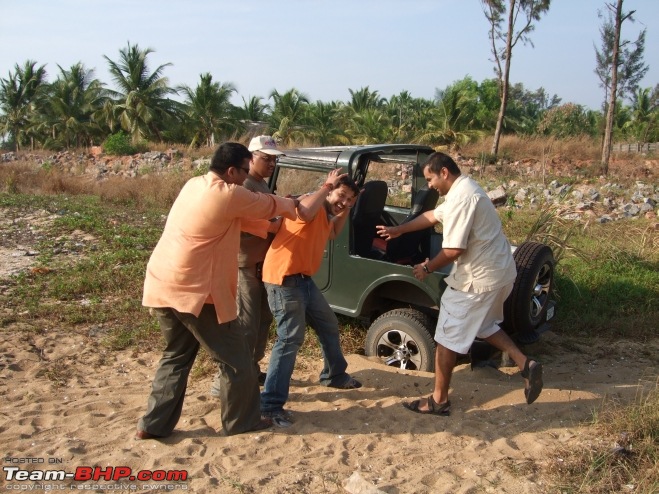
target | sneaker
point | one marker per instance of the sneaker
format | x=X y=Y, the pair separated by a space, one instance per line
x=280 y=418
x=264 y=423
x=351 y=383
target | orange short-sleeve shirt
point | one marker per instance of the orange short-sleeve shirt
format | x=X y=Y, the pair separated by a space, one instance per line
x=297 y=248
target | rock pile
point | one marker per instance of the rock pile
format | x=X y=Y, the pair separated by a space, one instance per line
x=604 y=202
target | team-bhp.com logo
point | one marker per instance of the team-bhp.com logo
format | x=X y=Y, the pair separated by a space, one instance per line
x=119 y=476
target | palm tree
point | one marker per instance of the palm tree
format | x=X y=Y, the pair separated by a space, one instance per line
x=408 y=115
x=208 y=110
x=72 y=101
x=322 y=124
x=451 y=121
x=253 y=116
x=370 y=126
x=365 y=99
x=141 y=101
x=254 y=110
x=288 y=115
x=643 y=125
x=21 y=102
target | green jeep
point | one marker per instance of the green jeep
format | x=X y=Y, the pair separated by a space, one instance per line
x=365 y=278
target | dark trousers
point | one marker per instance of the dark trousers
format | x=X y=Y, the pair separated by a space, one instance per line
x=228 y=345
x=253 y=315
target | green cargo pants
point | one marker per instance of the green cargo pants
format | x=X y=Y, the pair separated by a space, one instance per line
x=228 y=345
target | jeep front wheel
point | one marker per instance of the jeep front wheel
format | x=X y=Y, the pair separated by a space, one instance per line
x=402 y=338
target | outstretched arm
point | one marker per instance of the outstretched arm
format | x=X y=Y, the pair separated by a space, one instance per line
x=421 y=222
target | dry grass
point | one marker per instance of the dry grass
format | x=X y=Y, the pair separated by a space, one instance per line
x=621 y=456
x=577 y=157
x=152 y=190
x=579 y=149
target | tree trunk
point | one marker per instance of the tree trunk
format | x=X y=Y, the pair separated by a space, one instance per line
x=504 y=81
x=610 y=113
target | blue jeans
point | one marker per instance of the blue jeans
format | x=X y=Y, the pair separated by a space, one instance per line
x=294 y=304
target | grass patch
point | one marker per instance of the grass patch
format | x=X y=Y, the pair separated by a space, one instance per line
x=607 y=277
x=623 y=455
x=90 y=266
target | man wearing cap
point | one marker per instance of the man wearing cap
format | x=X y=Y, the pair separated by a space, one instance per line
x=191 y=284
x=253 y=311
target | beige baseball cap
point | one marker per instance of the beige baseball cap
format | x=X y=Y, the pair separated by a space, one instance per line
x=264 y=144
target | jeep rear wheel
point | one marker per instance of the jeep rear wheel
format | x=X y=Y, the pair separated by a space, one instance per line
x=402 y=338
x=526 y=307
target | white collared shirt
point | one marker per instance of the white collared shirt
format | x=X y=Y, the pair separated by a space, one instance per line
x=470 y=222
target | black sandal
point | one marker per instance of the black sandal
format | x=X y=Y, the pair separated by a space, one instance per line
x=434 y=408
x=534 y=375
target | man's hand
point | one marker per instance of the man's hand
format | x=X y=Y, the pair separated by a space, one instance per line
x=419 y=272
x=387 y=232
x=275 y=224
x=334 y=176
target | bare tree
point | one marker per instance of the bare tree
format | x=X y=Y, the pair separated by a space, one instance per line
x=619 y=68
x=504 y=39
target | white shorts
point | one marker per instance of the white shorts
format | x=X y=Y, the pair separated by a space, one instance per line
x=465 y=316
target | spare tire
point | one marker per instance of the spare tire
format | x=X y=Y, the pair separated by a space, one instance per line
x=526 y=307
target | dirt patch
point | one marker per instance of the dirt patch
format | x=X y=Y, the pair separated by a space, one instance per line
x=64 y=397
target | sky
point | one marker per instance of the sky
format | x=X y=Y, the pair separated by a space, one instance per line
x=322 y=48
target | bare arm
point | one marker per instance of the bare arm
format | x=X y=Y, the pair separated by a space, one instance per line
x=445 y=257
x=338 y=223
x=421 y=222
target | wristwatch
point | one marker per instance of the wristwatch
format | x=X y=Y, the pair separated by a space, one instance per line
x=425 y=268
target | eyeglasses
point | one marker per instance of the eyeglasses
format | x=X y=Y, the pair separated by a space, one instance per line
x=246 y=170
x=268 y=157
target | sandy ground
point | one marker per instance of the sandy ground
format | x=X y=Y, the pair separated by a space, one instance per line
x=66 y=399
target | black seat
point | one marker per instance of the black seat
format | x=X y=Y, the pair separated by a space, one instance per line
x=413 y=247
x=366 y=215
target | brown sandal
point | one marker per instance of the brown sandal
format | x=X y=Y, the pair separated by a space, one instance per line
x=534 y=374
x=443 y=409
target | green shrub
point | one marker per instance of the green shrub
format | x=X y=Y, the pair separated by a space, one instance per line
x=119 y=144
x=567 y=121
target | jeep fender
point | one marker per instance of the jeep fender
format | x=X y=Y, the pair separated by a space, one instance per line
x=403 y=289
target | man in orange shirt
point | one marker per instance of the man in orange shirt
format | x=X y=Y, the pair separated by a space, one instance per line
x=191 y=284
x=295 y=301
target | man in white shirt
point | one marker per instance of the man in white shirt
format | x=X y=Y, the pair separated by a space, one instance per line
x=481 y=279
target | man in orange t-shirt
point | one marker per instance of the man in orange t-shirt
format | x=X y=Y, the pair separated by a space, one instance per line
x=191 y=284
x=295 y=301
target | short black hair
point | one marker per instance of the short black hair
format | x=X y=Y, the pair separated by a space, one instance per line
x=350 y=183
x=436 y=161
x=229 y=154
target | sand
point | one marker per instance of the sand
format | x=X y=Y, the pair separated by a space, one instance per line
x=68 y=402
